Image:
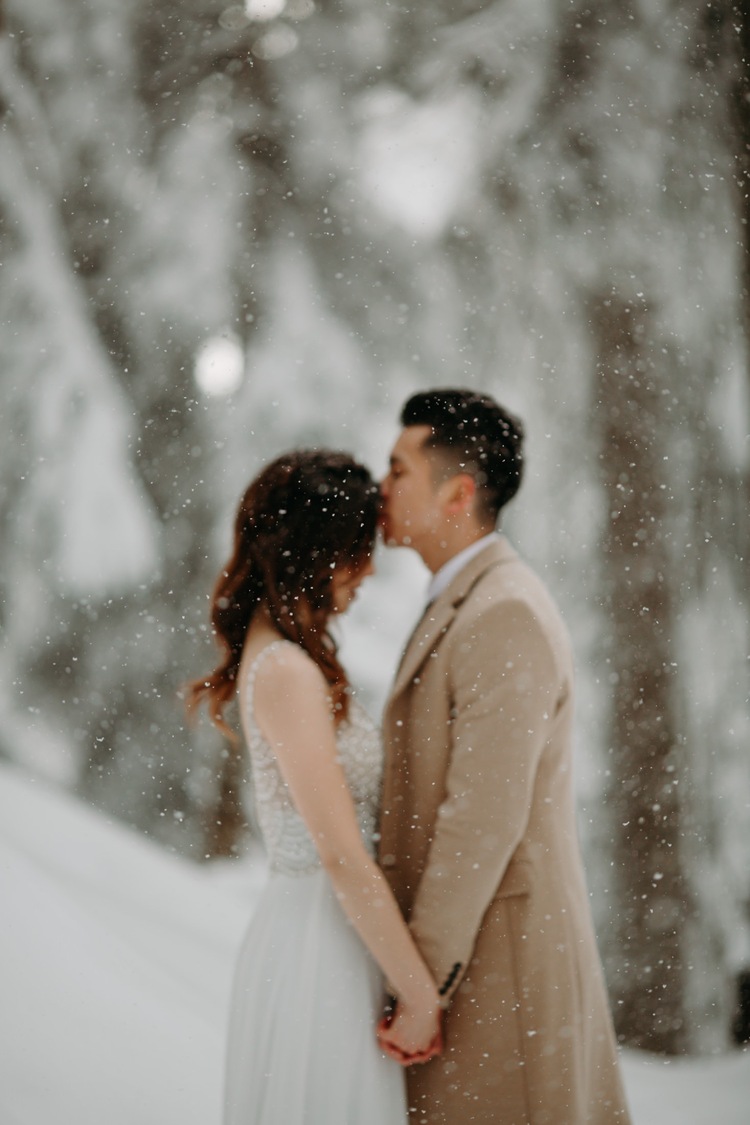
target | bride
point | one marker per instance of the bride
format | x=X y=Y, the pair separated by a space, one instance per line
x=309 y=983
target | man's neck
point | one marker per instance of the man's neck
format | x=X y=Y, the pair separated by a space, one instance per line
x=440 y=551
x=449 y=570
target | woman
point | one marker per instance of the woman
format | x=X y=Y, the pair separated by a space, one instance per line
x=307 y=994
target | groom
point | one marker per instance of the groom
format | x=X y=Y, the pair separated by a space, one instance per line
x=478 y=836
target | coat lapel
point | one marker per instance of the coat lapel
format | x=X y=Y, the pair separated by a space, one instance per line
x=440 y=613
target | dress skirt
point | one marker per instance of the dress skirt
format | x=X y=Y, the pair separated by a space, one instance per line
x=305 y=1003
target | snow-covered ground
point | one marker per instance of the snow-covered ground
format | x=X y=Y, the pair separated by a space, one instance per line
x=115 y=968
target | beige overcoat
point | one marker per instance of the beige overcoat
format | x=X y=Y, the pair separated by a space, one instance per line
x=478 y=840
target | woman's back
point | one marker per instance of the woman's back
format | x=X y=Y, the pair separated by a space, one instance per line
x=288 y=843
x=307 y=995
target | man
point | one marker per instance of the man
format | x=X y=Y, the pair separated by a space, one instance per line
x=478 y=835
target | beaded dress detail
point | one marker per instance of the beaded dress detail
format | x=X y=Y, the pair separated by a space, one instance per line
x=290 y=848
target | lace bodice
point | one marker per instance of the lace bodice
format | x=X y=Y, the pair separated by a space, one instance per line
x=289 y=845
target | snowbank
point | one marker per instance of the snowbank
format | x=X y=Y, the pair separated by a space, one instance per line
x=115 y=968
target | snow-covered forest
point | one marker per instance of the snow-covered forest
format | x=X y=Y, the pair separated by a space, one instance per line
x=227 y=230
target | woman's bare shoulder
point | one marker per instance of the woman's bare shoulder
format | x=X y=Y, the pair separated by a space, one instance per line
x=285 y=669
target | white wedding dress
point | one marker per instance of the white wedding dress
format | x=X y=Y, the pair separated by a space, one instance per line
x=307 y=995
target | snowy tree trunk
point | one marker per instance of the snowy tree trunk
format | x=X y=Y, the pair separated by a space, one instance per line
x=739 y=16
x=648 y=791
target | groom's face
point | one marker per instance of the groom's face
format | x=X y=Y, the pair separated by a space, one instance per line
x=412 y=514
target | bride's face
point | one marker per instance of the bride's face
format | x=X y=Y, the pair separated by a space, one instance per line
x=346 y=581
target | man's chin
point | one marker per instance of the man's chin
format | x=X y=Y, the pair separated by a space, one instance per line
x=391 y=540
x=391 y=537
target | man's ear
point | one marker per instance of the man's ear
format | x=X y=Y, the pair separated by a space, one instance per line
x=462 y=490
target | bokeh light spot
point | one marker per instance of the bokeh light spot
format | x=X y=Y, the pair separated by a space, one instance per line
x=220 y=365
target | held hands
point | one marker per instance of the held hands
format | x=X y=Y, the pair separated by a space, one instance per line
x=410 y=1035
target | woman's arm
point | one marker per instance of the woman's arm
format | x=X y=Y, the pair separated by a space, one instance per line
x=292 y=708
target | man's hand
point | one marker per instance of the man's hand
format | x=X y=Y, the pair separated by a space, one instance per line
x=409 y=1038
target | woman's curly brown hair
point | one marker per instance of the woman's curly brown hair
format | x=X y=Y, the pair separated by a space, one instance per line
x=308 y=512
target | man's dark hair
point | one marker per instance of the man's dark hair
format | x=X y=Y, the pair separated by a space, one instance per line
x=476 y=435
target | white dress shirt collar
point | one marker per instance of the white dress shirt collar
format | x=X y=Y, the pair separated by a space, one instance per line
x=442 y=578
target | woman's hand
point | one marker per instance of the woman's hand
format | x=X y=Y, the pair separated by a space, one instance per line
x=413 y=1034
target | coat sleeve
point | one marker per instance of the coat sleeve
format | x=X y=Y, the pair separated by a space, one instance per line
x=504 y=693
